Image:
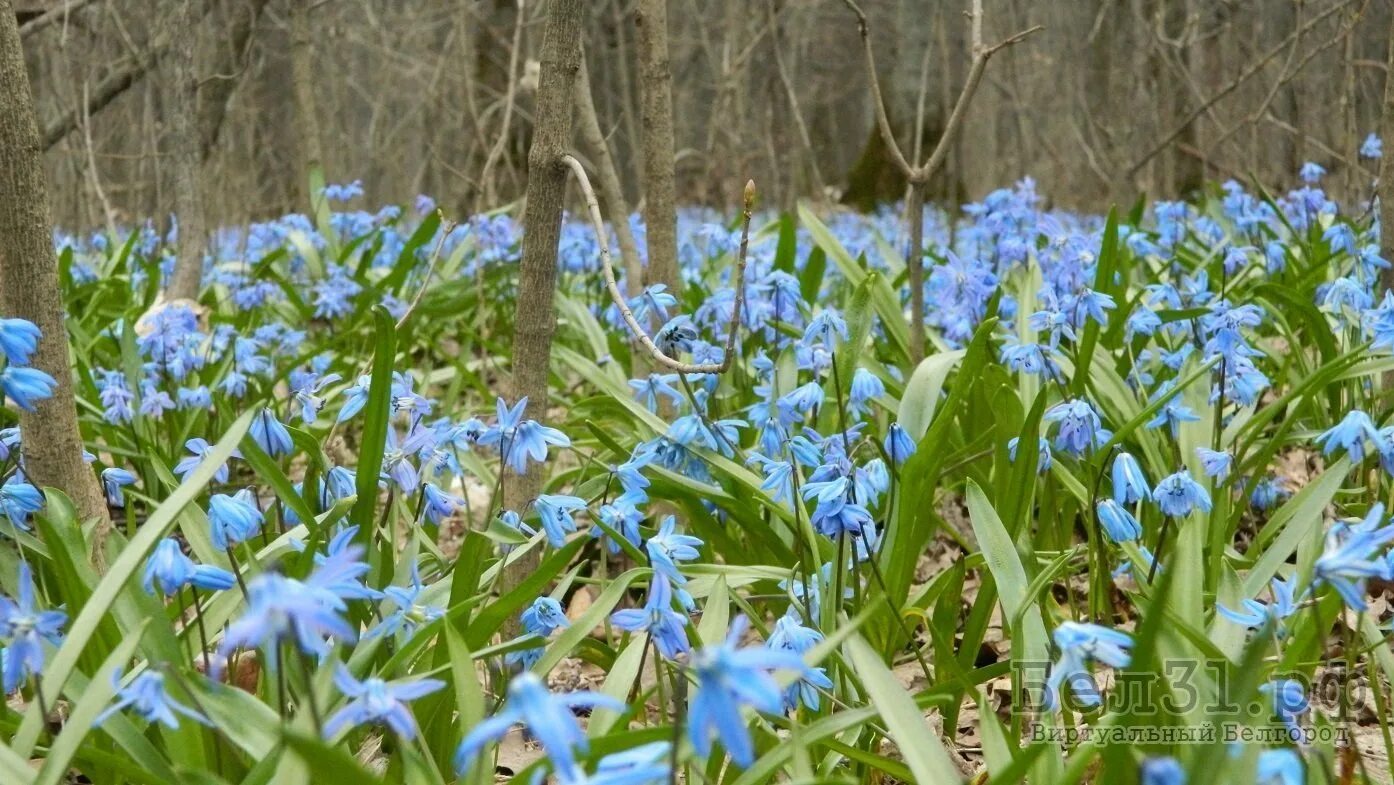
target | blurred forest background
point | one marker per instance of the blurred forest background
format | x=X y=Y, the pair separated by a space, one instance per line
x=1112 y=98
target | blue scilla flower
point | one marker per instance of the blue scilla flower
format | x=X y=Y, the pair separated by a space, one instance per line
x=1215 y=463
x=1043 y=459
x=25 y=628
x=198 y=448
x=678 y=335
x=1129 y=481
x=154 y=402
x=355 y=398
x=19 y=339
x=1079 y=425
x=308 y=398
x=171 y=570
x=543 y=617
x=1279 y=766
x=411 y=614
x=548 y=717
x=1267 y=492
x=1350 y=434
x=1118 y=523
x=1289 y=703
x=147 y=696
x=647 y=764
x=728 y=679
x=654 y=301
x=1311 y=172
x=655 y=386
x=898 y=445
x=26 y=386
x=19 y=500
x=1078 y=644
x=116 y=398
x=789 y=634
x=440 y=504
x=666 y=627
x=555 y=512
x=1349 y=559
x=1254 y=614
x=270 y=434
x=827 y=327
x=285 y=609
x=865 y=387
x=233 y=519
x=1162 y=770
x=667 y=549
x=113 y=480
x=1173 y=412
x=1178 y=494
x=1372 y=147
x=373 y=701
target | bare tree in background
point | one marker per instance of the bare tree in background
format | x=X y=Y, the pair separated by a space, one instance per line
x=656 y=116
x=185 y=150
x=535 y=314
x=29 y=289
x=918 y=174
x=306 y=109
x=611 y=191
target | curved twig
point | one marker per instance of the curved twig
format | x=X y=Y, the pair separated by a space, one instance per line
x=602 y=240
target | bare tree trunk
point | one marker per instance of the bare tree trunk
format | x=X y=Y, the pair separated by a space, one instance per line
x=611 y=192
x=182 y=86
x=51 y=441
x=656 y=116
x=226 y=72
x=302 y=77
x=534 y=314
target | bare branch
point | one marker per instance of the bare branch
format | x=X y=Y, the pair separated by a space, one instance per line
x=602 y=239
x=58 y=14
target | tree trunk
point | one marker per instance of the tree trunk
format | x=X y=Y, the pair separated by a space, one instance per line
x=51 y=442
x=302 y=78
x=185 y=151
x=611 y=192
x=656 y=117
x=534 y=314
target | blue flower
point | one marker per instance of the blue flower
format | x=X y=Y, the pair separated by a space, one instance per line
x=1351 y=557
x=1311 y=172
x=25 y=628
x=1078 y=644
x=898 y=444
x=172 y=570
x=1256 y=614
x=555 y=513
x=548 y=717
x=1178 y=494
x=650 y=389
x=826 y=327
x=1289 y=703
x=1078 y=425
x=1129 y=483
x=147 y=696
x=308 y=396
x=19 y=339
x=728 y=679
x=519 y=440
x=1280 y=767
x=1173 y=412
x=355 y=398
x=441 y=504
x=1215 y=463
x=676 y=336
x=667 y=548
x=790 y=635
x=233 y=519
x=113 y=480
x=665 y=626
x=19 y=500
x=270 y=435
x=1372 y=147
x=1118 y=523
x=26 y=386
x=543 y=617
x=1163 y=770
x=1350 y=434
x=865 y=387
x=377 y=701
x=646 y=764
x=1043 y=456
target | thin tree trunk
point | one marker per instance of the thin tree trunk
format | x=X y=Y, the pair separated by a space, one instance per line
x=302 y=77
x=186 y=154
x=534 y=314
x=656 y=116
x=611 y=192
x=51 y=442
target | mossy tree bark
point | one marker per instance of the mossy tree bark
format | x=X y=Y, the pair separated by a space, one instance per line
x=52 y=444
x=535 y=315
x=656 y=117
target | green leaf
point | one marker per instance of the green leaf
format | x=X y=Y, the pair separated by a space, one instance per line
x=921 y=747
x=922 y=392
x=377 y=415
